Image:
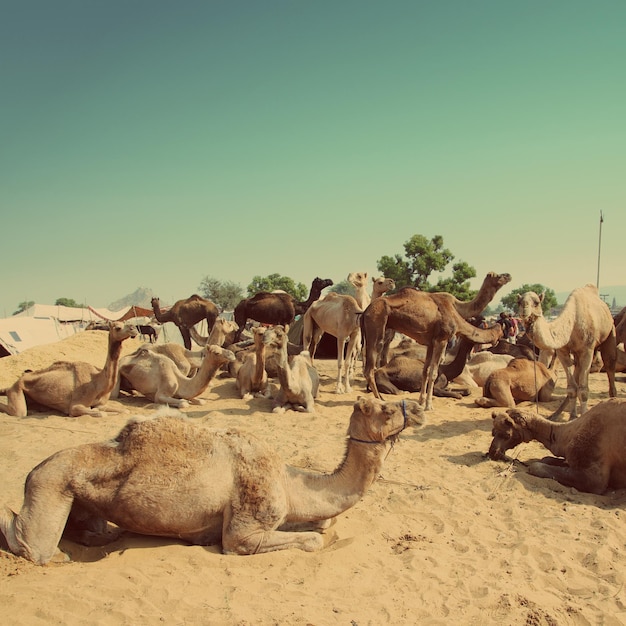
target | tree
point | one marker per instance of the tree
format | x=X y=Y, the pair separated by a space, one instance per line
x=276 y=281
x=549 y=299
x=344 y=287
x=68 y=302
x=423 y=257
x=22 y=306
x=225 y=294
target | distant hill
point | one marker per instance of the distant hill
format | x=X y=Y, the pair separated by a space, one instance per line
x=614 y=296
x=140 y=297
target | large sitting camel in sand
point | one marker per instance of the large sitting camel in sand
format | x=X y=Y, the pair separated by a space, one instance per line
x=584 y=325
x=187 y=313
x=171 y=477
x=590 y=449
x=338 y=315
x=431 y=319
x=156 y=376
x=187 y=361
x=251 y=377
x=520 y=381
x=480 y=366
x=74 y=388
x=298 y=378
x=276 y=307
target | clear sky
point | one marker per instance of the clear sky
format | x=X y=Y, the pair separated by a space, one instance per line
x=152 y=143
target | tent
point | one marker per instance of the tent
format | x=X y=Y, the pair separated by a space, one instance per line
x=20 y=333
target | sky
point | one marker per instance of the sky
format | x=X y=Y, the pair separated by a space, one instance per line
x=146 y=143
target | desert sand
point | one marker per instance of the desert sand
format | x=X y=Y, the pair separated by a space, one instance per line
x=444 y=536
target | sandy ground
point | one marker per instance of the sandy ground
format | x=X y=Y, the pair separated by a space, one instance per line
x=444 y=536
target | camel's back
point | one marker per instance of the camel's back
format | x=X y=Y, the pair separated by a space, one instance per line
x=591 y=313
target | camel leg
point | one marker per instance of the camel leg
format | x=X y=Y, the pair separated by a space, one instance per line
x=431 y=372
x=341 y=345
x=161 y=398
x=351 y=354
x=186 y=337
x=608 y=351
x=593 y=479
x=581 y=376
x=570 y=399
x=258 y=541
x=16 y=402
x=499 y=395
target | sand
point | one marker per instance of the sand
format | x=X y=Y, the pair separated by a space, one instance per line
x=444 y=536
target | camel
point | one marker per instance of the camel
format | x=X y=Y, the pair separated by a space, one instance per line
x=584 y=325
x=520 y=381
x=431 y=319
x=148 y=332
x=480 y=366
x=338 y=315
x=157 y=378
x=187 y=313
x=590 y=449
x=187 y=361
x=620 y=327
x=171 y=477
x=73 y=388
x=298 y=378
x=222 y=334
x=276 y=308
x=381 y=285
x=252 y=377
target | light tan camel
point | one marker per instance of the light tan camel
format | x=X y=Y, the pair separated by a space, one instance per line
x=380 y=286
x=480 y=366
x=298 y=378
x=187 y=361
x=520 y=381
x=584 y=325
x=187 y=313
x=171 y=477
x=431 y=319
x=590 y=449
x=73 y=388
x=252 y=377
x=338 y=315
x=222 y=334
x=156 y=377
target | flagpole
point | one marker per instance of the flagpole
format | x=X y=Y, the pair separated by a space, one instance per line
x=599 y=248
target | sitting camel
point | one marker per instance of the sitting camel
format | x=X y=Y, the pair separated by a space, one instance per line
x=157 y=378
x=520 y=381
x=187 y=361
x=73 y=388
x=187 y=313
x=252 y=377
x=222 y=334
x=590 y=449
x=171 y=477
x=431 y=319
x=276 y=307
x=298 y=378
x=480 y=366
x=584 y=325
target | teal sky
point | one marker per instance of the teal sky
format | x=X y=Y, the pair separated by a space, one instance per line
x=150 y=143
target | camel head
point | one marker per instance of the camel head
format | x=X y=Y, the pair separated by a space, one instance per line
x=529 y=306
x=377 y=421
x=497 y=280
x=155 y=302
x=381 y=285
x=120 y=331
x=358 y=279
x=321 y=283
x=507 y=431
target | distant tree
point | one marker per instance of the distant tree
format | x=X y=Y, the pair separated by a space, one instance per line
x=276 y=281
x=344 y=288
x=68 y=302
x=22 y=306
x=423 y=257
x=225 y=294
x=549 y=299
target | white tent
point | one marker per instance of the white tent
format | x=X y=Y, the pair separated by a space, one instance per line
x=20 y=333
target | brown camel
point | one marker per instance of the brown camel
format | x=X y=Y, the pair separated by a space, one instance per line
x=156 y=376
x=590 y=449
x=276 y=307
x=172 y=477
x=187 y=313
x=431 y=319
x=584 y=325
x=73 y=388
x=251 y=376
x=520 y=381
x=298 y=378
x=620 y=327
x=480 y=366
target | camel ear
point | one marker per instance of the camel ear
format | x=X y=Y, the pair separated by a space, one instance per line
x=541 y=296
x=517 y=417
x=364 y=405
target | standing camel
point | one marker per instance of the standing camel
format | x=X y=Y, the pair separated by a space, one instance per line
x=276 y=307
x=73 y=388
x=187 y=313
x=431 y=319
x=584 y=325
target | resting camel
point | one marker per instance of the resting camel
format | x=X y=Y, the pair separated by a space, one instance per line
x=298 y=378
x=187 y=313
x=590 y=449
x=431 y=319
x=276 y=308
x=252 y=377
x=187 y=361
x=480 y=366
x=73 y=388
x=156 y=377
x=338 y=315
x=584 y=325
x=222 y=334
x=171 y=477
x=520 y=381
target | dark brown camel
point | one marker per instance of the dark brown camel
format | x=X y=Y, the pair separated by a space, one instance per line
x=620 y=327
x=276 y=308
x=432 y=319
x=187 y=313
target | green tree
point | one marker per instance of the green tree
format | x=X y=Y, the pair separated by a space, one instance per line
x=549 y=299
x=225 y=294
x=68 y=302
x=22 y=306
x=276 y=281
x=344 y=287
x=422 y=258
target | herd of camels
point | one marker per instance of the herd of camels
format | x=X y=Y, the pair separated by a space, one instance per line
x=233 y=488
